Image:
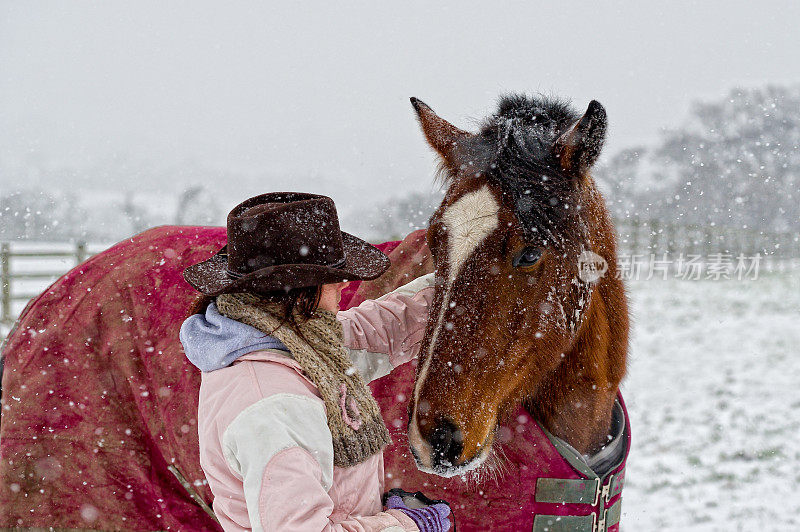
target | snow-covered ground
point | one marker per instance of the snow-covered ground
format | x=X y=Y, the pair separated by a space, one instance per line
x=713 y=391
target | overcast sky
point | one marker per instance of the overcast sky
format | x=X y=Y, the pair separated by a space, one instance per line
x=314 y=96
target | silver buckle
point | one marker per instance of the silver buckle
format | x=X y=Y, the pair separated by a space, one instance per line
x=601 y=522
x=601 y=495
x=603 y=491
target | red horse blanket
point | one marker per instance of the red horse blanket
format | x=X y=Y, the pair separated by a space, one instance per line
x=98 y=401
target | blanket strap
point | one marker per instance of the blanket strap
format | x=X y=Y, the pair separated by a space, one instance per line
x=577 y=491
x=579 y=523
x=192 y=492
x=589 y=491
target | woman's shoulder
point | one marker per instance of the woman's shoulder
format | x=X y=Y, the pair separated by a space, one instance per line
x=256 y=376
x=275 y=371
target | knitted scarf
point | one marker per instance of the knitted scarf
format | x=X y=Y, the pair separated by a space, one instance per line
x=317 y=344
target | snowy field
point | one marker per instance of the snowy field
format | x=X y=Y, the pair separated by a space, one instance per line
x=714 y=402
x=713 y=396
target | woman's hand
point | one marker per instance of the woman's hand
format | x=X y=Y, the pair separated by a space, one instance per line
x=429 y=515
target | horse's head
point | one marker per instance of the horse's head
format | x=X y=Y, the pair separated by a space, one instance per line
x=508 y=241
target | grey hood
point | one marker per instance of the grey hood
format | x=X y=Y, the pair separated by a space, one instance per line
x=212 y=341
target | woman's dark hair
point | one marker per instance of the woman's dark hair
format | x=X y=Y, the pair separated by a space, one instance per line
x=295 y=302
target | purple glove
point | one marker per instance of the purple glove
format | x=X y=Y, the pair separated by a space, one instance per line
x=432 y=518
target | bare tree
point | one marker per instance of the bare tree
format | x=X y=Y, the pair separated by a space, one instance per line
x=197 y=206
x=136 y=215
x=37 y=215
x=734 y=163
x=393 y=219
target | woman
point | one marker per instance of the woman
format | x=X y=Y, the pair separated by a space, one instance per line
x=290 y=435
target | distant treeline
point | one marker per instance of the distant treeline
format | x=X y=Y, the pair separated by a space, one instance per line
x=735 y=164
x=53 y=216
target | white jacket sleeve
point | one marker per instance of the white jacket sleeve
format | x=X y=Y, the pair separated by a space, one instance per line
x=383 y=333
x=281 y=447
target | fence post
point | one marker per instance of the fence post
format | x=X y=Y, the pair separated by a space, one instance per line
x=670 y=234
x=692 y=239
x=80 y=252
x=5 y=282
x=654 y=236
x=708 y=244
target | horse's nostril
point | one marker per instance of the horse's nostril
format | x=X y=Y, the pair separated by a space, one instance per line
x=446 y=443
x=442 y=437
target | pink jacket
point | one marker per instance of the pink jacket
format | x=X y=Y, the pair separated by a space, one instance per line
x=265 y=446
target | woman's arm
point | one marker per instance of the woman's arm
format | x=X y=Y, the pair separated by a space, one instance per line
x=281 y=447
x=383 y=333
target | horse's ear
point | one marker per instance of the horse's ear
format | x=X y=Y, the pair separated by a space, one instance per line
x=441 y=134
x=579 y=147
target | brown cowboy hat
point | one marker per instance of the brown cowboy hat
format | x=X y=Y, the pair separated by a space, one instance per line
x=284 y=240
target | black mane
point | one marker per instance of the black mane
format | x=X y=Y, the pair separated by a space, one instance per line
x=520 y=139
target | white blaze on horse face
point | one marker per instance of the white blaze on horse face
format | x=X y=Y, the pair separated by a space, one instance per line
x=468 y=221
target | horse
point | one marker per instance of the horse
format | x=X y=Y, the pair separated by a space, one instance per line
x=98 y=425
x=528 y=308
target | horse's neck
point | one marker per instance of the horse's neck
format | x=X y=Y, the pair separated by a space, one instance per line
x=576 y=402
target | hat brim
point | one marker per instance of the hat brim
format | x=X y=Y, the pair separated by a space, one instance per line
x=363 y=262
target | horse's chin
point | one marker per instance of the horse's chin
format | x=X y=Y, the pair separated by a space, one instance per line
x=455 y=471
x=449 y=470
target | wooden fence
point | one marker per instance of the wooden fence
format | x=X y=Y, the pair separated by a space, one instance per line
x=643 y=237
x=8 y=278
x=636 y=238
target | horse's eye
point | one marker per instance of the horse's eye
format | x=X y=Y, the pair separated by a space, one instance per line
x=527 y=257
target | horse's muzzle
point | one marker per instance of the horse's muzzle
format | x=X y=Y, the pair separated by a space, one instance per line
x=447 y=444
x=441 y=450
